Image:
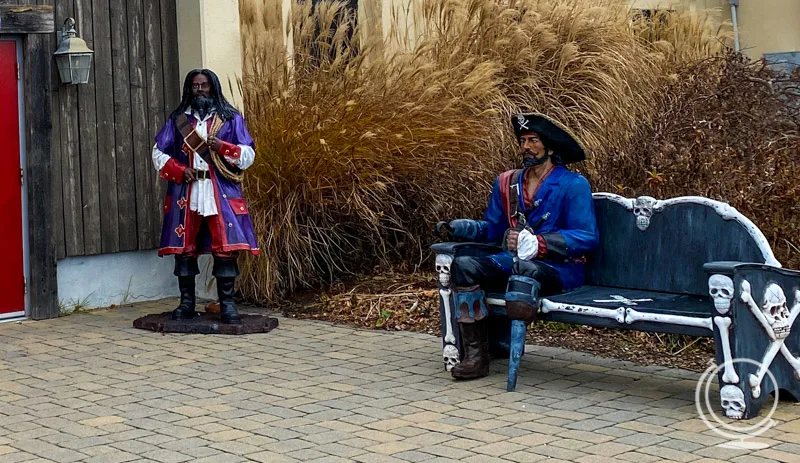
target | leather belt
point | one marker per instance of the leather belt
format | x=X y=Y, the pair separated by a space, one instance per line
x=203 y=174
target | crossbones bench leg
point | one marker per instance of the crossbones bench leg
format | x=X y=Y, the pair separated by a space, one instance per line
x=757 y=340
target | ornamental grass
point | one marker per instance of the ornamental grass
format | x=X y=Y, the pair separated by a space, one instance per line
x=366 y=137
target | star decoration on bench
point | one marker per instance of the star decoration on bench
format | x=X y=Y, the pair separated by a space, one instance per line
x=622 y=299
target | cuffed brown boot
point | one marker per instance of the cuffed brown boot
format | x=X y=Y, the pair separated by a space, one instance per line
x=522 y=298
x=475 y=340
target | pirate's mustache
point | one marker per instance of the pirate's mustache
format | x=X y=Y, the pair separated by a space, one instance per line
x=202 y=104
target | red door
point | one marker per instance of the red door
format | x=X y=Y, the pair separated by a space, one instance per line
x=12 y=276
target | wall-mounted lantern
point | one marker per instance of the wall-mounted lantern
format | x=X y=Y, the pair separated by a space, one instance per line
x=73 y=57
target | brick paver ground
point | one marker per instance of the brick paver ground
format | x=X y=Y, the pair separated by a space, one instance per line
x=90 y=387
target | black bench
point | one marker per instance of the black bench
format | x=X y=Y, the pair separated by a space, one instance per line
x=687 y=265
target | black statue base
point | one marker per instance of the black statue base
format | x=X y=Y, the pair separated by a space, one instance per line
x=205 y=323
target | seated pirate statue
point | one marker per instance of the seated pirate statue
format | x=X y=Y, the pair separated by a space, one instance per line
x=201 y=151
x=543 y=215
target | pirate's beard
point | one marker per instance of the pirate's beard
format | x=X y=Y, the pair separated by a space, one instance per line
x=202 y=105
x=533 y=161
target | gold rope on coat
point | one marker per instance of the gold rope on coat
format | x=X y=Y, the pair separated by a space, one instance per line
x=222 y=166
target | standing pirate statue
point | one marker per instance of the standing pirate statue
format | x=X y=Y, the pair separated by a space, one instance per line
x=201 y=151
x=543 y=215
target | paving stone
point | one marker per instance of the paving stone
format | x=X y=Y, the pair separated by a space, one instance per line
x=526 y=457
x=166 y=456
x=668 y=453
x=640 y=426
x=376 y=457
x=609 y=449
x=571 y=444
x=378 y=436
x=753 y=459
x=641 y=439
x=428 y=439
x=592 y=459
x=112 y=457
x=391 y=448
x=482 y=436
x=339 y=450
x=17 y=457
x=557 y=452
x=541 y=428
x=305 y=455
x=413 y=456
x=636 y=457
x=48 y=451
x=312 y=391
x=135 y=447
x=589 y=425
x=445 y=451
x=498 y=448
x=484 y=459
x=682 y=445
x=223 y=458
x=778 y=455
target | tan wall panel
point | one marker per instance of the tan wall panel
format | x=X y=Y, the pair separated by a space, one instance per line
x=765 y=26
x=209 y=37
x=769 y=26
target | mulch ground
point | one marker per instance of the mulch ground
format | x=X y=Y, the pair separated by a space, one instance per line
x=409 y=302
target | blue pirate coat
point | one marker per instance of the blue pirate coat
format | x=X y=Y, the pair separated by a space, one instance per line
x=568 y=233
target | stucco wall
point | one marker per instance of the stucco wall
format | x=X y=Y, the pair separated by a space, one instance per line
x=209 y=37
x=765 y=26
x=123 y=278
x=769 y=26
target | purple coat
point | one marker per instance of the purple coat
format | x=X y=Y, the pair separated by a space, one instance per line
x=235 y=228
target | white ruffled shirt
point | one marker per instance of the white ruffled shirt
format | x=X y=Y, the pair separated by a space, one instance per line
x=202 y=198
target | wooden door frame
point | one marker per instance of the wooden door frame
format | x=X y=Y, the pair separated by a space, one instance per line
x=34 y=24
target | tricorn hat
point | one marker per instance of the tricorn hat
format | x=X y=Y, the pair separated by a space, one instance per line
x=561 y=140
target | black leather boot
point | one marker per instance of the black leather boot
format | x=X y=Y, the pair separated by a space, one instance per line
x=186 y=308
x=186 y=270
x=226 y=271
x=475 y=341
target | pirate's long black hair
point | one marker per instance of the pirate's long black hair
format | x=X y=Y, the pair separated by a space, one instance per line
x=223 y=108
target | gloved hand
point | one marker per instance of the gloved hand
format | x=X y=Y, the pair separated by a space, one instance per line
x=443 y=225
x=466 y=229
x=463 y=229
x=527 y=245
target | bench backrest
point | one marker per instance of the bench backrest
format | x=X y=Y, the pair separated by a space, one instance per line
x=662 y=245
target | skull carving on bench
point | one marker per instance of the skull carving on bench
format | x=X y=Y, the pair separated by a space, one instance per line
x=450 y=356
x=443 y=263
x=732 y=401
x=643 y=210
x=720 y=288
x=775 y=311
